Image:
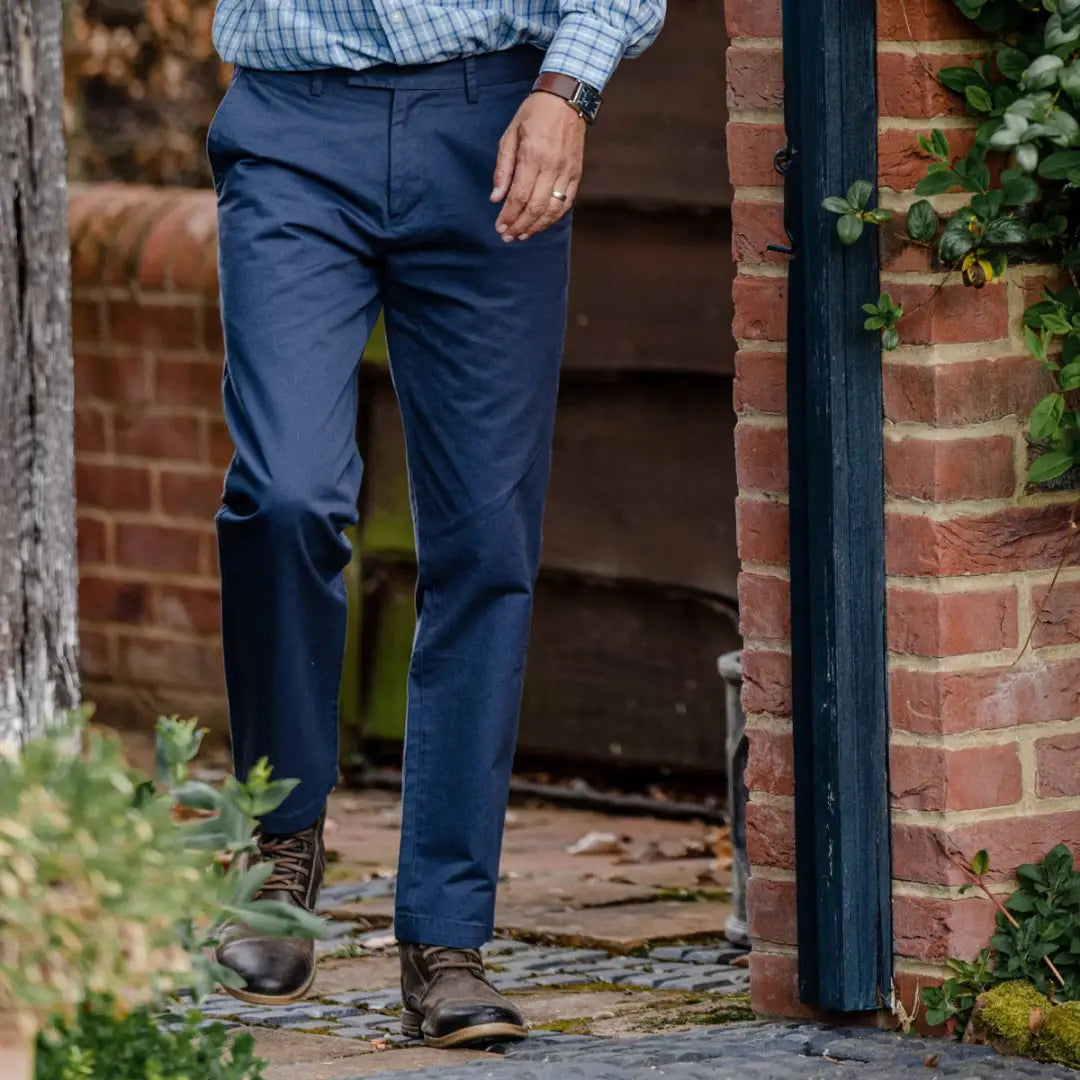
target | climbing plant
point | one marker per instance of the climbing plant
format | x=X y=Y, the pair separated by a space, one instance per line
x=1021 y=177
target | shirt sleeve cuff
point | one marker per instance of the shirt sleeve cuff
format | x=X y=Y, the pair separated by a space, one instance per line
x=585 y=47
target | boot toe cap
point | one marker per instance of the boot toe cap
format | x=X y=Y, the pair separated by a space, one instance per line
x=454 y=1016
x=270 y=969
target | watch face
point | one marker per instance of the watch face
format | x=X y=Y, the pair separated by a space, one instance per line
x=587 y=98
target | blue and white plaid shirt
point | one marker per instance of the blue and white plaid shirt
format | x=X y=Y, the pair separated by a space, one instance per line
x=583 y=38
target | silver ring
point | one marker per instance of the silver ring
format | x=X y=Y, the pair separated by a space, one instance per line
x=560 y=195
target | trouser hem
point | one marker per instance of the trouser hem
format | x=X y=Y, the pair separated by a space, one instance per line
x=425 y=930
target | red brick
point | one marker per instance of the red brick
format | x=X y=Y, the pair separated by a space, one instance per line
x=760 y=382
x=150 y=435
x=971 y=778
x=901 y=255
x=93 y=542
x=91 y=431
x=188 y=608
x=760 y=308
x=104 y=599
x=752 y=18
x=924 y=623
x=751 y=150
x=111 y=379
x=901 y=164
x=221 y=444
x=770 y=836
x=755 y=79
x=191 y=494
x=762 y=529
x=922 y=20
x=945 y=470
x=124 y=251
x=761 y=457
x=766 y=682
x=86 y=321
x=949 y=702
x=99 y=214
x=156 y=547
x=764 y=607
x=964 y=393
x=934 y=930
x=1057 y=758
x=155 y=326
x=189 y=382
x=156 y=662
x=1013 y=538
x=906 y=89
x=95 y=654
x=951 y=315
x=1056 y=614
x=176 y=249
x=112 y=487
x=771 y=910
x=770 y=766
x=756 y=223
x=919 y=851
x=909 y=986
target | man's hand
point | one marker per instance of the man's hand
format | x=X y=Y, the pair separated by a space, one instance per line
x=541 y=152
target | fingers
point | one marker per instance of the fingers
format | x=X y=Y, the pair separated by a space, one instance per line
x=555 y=209
x=538 y=205
x=504 y=164
x=526 y=171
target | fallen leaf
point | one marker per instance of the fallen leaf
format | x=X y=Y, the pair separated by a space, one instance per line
x=379 y=1044
x=741 y=961
x=598 y=843
x=931 y=1061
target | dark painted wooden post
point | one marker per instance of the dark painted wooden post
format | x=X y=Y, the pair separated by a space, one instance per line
x=837 y=516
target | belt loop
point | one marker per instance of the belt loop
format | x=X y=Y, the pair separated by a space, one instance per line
x=317 y=84
x=470 y=80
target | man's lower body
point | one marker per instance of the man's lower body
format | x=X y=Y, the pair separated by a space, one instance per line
x=339 y=194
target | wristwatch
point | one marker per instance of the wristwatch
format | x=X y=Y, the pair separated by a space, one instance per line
x=584 y=99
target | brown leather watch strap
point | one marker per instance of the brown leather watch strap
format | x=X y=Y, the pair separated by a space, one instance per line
x=569 y=89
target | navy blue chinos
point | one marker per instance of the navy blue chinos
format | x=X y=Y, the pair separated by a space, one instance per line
x=340 y=193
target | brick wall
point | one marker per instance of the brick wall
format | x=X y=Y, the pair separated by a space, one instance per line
x=983 y=746
x=151 y=449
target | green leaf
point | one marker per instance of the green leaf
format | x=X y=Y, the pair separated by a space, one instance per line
x=939 y=143
x=252 y=881
x=890 y=339
x=875 y=322
x=1019 y=189
x=980 y=863
x=1004 y=231
x=197 y=796
x=1012 y=63
x=849 y=228
x=922 y=221
x=960 y=78
x=1045 y=420
x=1042 y=72
x=979 y=99
x=1069 y=376
x=859 y=193
x=1036 y=345
x=878 y=216
x=937 y=183
x=836 y=204
x=954 y=245
x=1058 y=166
x=871 y=309
x=1027 y=157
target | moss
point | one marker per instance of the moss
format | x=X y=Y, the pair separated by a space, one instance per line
x=1006 y=1012
x=1059 y=1037
x=577 y=1026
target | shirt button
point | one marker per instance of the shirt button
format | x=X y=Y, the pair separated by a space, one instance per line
x=395 y=17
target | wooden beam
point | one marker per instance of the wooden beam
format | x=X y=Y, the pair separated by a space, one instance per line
x=837 y=517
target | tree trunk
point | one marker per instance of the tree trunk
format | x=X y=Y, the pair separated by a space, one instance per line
x=38 y=630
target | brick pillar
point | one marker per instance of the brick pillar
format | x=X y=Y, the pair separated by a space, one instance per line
x=151 y=449
x=983 y=748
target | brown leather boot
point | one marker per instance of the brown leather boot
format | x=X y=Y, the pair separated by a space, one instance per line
x=278 y=970
x=449 y=1001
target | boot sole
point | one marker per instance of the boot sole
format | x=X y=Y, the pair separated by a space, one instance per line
x=272 y=999
x=477 y=1035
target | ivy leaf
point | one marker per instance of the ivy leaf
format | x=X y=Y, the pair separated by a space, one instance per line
x=980 y=863
x=1006 y=230
x=1012 y=63
x=979 y=99
x=1050 y=466
x=835 y=204
x=1019 y=189
x=937 y=183
x=859 y=193
x=922 y=221
x=849 y=228
x=1058 y=166
x=1045 y=421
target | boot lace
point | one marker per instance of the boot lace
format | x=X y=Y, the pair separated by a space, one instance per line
x=292 y=859
x=439 y=958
